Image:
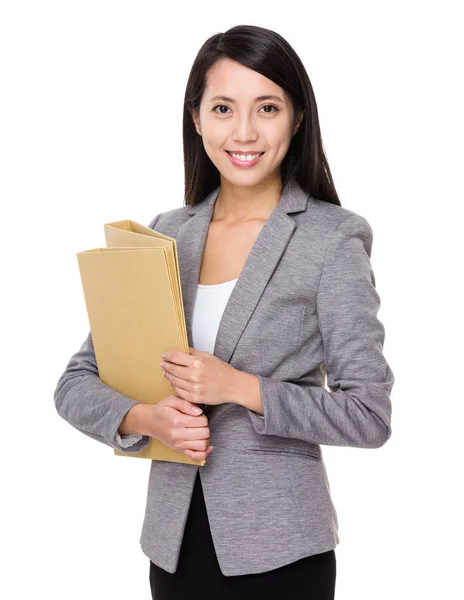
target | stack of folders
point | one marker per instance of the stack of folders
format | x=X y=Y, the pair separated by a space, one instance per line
x=133 y=296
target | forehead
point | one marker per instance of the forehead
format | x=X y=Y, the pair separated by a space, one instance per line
x=230 y=78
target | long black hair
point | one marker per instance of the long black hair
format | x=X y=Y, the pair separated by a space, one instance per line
x=268 y=53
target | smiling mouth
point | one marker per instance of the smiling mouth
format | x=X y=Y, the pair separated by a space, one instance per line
x=254 y=155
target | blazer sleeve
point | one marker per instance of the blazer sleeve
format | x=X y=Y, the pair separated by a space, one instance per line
x=357 y=410
x=90 y=405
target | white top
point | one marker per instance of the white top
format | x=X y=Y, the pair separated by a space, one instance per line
x=210 y=303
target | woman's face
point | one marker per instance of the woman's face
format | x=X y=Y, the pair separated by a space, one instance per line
x=233 y=118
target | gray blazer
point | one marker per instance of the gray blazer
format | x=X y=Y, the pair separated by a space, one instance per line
x=305 y=305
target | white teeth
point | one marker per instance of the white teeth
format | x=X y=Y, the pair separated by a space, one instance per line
x=245 y=158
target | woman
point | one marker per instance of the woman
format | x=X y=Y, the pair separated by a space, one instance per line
x=279 y=294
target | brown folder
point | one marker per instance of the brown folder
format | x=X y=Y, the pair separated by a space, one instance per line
x=133 y=296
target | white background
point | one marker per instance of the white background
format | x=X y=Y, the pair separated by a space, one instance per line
x=91 y=132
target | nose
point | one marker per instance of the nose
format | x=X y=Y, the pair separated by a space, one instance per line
x=245 y=131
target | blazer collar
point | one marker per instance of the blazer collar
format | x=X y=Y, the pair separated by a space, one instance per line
x=256 y=273
x=293 y=199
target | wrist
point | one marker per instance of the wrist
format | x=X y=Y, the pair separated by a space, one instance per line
x=134 y=421
x=248 y=392
x=240 y=382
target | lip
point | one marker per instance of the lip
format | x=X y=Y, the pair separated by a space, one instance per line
x=245 y=152
x=244 y=163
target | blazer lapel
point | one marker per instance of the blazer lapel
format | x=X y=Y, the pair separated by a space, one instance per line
x=259 y=266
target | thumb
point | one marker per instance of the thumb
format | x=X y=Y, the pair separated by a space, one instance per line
x=194 y=409
x=189 y=408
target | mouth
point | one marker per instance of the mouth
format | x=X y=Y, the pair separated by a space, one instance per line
x=244 y=160
x=240 y=155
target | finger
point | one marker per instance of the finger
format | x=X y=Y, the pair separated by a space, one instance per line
x=194 y=455
x=199 y=352
x=177 y=370
x=200 y=445
x=199 y=454
x=178 y=358
x=196 y=422
x=196 y=437
x=180 y=384
x=184 y=394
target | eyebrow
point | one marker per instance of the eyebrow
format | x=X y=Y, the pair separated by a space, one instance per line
x=258 y=99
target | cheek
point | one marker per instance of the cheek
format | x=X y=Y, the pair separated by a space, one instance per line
x=280 y=140
x=280 y=149
x=213 y=139
x=212 y=144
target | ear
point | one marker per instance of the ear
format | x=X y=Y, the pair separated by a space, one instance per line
x=196 y=120
x=298 y=121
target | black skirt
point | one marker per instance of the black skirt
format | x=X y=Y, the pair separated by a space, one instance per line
x=198 y=574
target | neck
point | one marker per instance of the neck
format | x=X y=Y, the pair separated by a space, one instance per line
x=243 y=203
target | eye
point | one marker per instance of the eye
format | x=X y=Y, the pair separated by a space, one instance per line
x=220 y=106
x=271 y=106
x=265 y=106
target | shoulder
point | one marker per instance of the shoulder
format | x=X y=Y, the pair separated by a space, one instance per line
x=168 y=222
x=333 y=220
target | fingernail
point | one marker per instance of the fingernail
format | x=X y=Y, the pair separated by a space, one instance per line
x=196 y=410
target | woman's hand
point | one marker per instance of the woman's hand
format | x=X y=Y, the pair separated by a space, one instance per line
x=200 y=377
x=173 y=422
